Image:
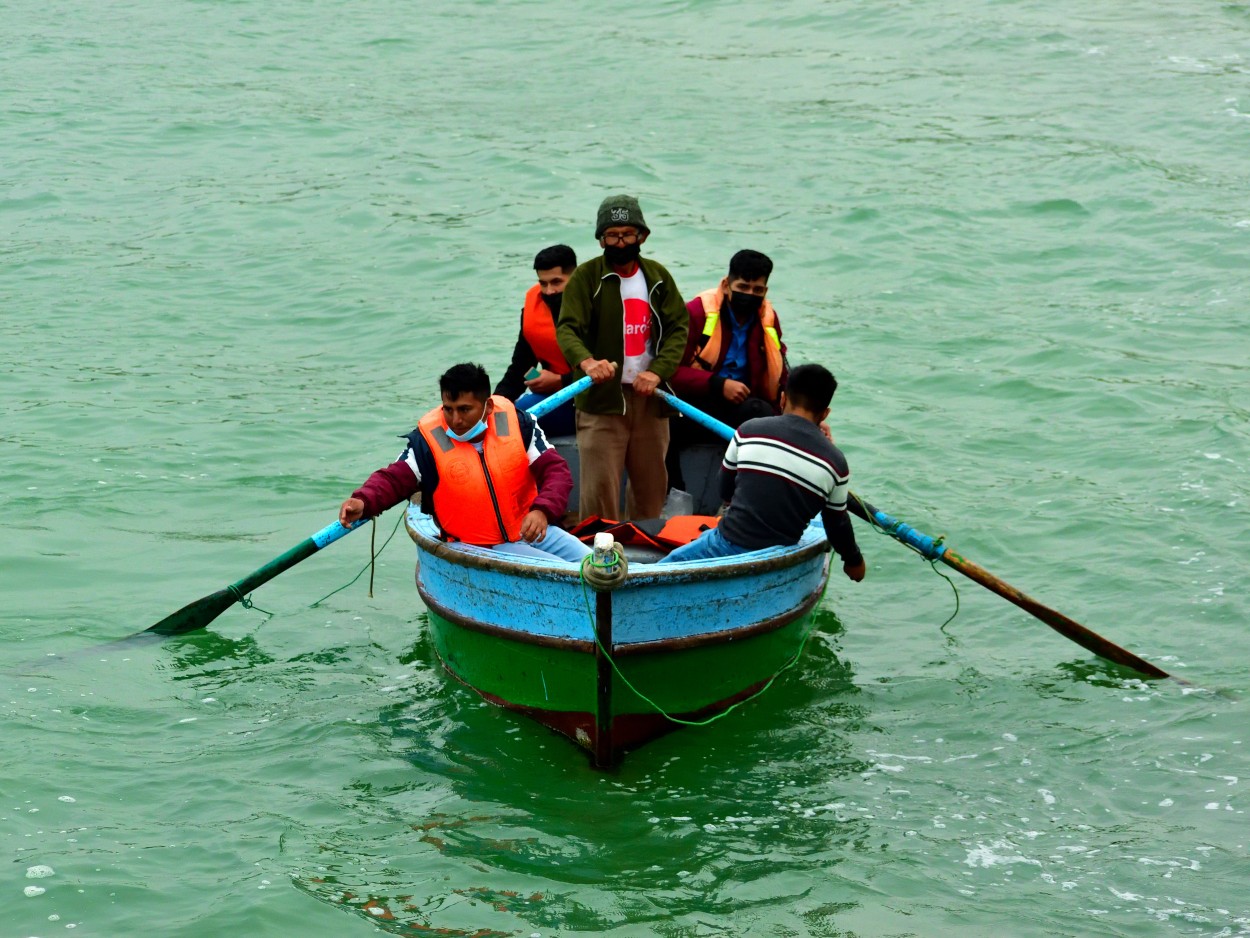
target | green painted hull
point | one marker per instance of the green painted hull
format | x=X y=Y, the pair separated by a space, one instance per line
x=557 y=683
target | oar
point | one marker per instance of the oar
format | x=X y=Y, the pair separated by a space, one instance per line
x=198 y=614
x=932 y=549
x=548 y=404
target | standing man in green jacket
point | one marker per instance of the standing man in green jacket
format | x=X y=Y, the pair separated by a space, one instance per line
x=624 y=308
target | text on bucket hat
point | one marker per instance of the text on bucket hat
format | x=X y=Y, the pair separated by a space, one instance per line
x=619 y=210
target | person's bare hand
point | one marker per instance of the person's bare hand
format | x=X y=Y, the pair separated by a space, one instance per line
x=599 y=369
x=824 y=428
x=351 y=511
x=547 y=382
x=533 y=526
x=855 y=572
x=735 y=391
x=646 y=382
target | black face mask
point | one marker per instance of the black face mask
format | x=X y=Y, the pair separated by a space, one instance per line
x=553 y=301
x=621 y=255
x=745 y=305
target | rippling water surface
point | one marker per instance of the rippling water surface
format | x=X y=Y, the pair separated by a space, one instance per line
x=239 y=242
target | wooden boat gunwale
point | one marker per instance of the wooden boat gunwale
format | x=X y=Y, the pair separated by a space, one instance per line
x=763 y=561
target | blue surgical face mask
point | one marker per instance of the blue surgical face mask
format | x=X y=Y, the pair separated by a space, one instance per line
x=474 y=431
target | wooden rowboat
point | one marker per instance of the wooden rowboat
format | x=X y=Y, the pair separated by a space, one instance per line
x=614 y=669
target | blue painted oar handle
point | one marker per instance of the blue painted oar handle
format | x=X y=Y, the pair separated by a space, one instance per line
x=723 y=430
x=548 y=404
x=332 y=532
x=928 y=547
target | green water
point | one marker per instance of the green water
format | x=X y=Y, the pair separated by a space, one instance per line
x=238 y=243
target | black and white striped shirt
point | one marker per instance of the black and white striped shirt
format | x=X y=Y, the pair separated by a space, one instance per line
x=778 y=472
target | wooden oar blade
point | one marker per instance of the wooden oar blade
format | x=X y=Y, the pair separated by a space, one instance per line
x=933 y=549
x=1070 y=629
x=195 y=615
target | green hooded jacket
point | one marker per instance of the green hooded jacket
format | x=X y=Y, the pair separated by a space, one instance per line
x=592 y=325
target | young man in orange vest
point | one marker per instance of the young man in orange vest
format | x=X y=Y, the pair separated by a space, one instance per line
x=734 y=367
x=536 y=352
x=484 y=470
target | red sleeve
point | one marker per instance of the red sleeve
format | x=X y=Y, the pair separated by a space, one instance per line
x=555 y=485
x=688 y=381
x=389 y=486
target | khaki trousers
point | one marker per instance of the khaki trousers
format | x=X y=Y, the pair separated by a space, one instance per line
x=609 y=445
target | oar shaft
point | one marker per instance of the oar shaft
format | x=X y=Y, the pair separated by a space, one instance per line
x=1078 y=633
x=301 y=551
x=548 y=404
x=933 y=549
x=707 y=421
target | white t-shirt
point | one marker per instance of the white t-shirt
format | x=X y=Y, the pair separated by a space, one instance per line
x=639 y=345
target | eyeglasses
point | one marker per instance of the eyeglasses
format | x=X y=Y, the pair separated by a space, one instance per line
x=617 y=237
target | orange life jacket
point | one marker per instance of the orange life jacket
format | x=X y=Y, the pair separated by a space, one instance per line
x=481 y=498
x=651 y=532
x=708 y=357
x=682 y=529
x=540 y=332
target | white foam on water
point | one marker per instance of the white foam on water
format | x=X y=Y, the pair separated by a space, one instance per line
x=891 y=755
x=1174 y=862
x=995 y=854
x=39 y=871
x=32 y=891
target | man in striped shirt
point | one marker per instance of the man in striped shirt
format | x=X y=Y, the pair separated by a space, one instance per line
x=778 y=472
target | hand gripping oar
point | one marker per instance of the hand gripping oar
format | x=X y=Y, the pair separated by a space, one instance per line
x=198 y=614
x=932 y=549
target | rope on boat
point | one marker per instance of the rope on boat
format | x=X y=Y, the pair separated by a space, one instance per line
x=588 y=563
x=605 y=569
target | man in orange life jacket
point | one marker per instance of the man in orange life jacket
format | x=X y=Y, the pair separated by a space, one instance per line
x=734 y=367
x=536 y=352
x=485 y=473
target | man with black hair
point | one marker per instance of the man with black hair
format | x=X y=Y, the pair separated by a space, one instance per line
x=622 y=308
x=538 y=368
x=778 y=473
x=734 y=367
x=484 y=470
